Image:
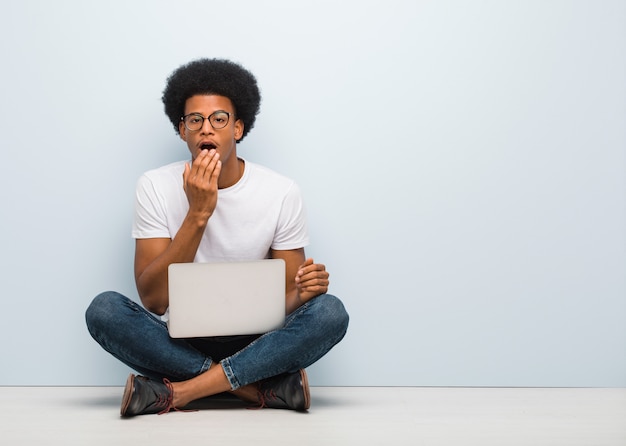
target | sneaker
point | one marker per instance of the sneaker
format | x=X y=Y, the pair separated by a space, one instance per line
x=144 y=396
x=286 y=391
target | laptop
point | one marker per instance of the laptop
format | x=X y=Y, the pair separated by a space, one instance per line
x=226 y=299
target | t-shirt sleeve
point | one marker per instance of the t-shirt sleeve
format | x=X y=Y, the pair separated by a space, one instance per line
x=291 y=231
x=150 y=218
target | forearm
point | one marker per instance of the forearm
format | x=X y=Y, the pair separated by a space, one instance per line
x=292 y=301
x=151 y=274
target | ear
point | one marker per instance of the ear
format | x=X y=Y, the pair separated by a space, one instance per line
x=238 y=129
x=182 y=131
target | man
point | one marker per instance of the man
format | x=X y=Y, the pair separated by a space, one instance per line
x=217 y=207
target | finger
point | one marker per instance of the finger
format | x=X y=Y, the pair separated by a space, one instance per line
x=314 y=290
x=210 y=173
x=213 y=160
x=314 y=270
x=215 y=174
x=307 y=262
x=316 y=282
x=307 y=266
x=302 y=269
x=201 y=163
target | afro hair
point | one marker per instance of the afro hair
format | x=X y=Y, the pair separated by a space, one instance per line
x=213 y=77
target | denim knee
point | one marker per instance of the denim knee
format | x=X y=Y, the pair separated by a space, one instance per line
x=102 y=308
x=332 y=314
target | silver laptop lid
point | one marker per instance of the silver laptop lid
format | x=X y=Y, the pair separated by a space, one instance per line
x=224 y=299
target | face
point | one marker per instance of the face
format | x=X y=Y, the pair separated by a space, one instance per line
x=224 y=139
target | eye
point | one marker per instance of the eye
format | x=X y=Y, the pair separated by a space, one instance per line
x=219 y=119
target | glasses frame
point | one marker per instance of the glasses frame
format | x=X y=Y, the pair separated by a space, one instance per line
x=207 y=118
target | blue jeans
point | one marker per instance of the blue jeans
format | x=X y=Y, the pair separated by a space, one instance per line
x=140 y=340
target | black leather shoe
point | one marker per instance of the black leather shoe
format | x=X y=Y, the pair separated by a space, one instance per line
x=144 y=396
x=286 y=391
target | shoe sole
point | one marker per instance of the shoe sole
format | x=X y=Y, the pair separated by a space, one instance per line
x=305 y=387
x=128 y=393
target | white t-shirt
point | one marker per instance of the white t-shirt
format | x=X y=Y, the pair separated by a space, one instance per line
x=262 y=210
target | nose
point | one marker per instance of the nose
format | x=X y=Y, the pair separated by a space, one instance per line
x=207 y=128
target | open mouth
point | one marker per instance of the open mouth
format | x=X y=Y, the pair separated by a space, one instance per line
x=207 y=146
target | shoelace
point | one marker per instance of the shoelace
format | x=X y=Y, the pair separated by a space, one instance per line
x=264 y=397
x=165 y=401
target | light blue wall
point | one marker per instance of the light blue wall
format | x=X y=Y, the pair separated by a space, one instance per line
x=463 y=165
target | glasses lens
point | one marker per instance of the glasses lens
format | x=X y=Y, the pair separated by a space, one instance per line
x=219 y=119
x=194 y=121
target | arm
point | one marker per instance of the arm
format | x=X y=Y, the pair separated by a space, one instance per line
x=153 y=256
x=304 y=279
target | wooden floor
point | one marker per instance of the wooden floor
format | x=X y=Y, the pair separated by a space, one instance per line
x=389 y=416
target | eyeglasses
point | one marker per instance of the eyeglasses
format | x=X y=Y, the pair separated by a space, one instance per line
x=194 y=121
